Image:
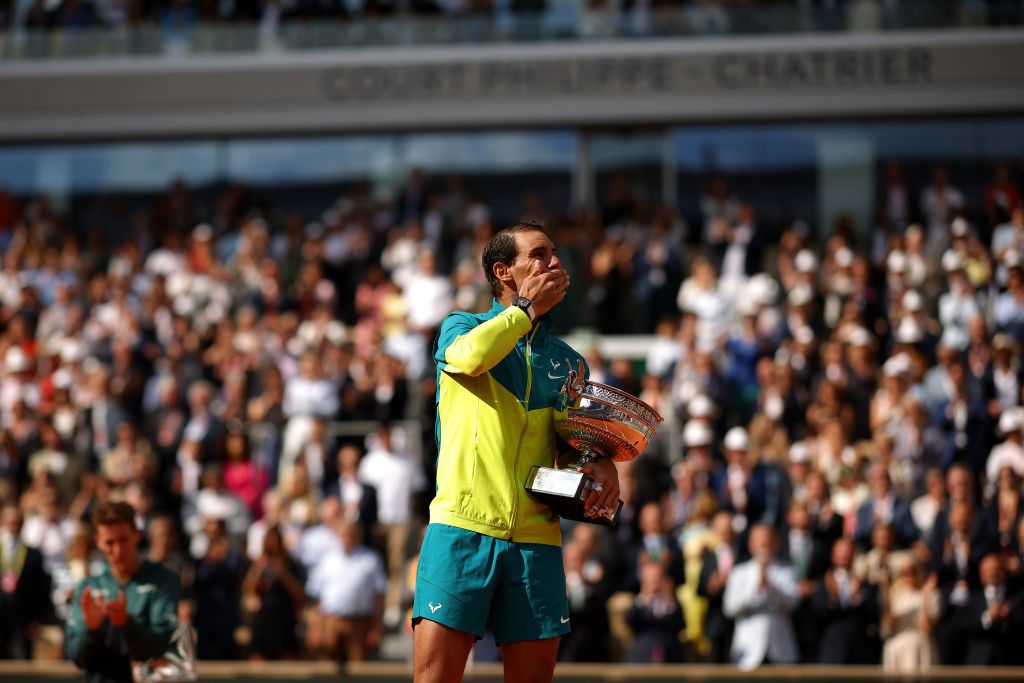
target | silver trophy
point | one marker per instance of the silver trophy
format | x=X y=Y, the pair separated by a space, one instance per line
x=599 y=421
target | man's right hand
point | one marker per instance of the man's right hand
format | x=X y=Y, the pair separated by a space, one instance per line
x=93 y=609
x=544 y=288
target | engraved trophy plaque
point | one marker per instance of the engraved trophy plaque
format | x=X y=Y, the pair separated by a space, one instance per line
x=599 y=421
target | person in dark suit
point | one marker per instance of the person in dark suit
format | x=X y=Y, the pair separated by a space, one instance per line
x=653 y=545
x=847 y=609
x=994 y=618
x=24 y=588
x=588 y=587
x=886 y=507
x=716 y=564
x=808 y=552
x=656 y=618
x=752 y=490
x=358 y=500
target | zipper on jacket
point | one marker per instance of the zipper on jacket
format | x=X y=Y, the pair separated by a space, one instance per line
x=522 y=434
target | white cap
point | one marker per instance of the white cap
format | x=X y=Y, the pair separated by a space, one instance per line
x=72 y=351
x=747 y=306
x=858 y=336
x=700 y=406
x=844 y=257
x=1011 y=421
x=800 y=295
x=804 y=335
x=1012 y=259
x=736 y=439
x=959 y=227
x=798 y=453
x=202 y=232
x=896 y=366
x=909 y=332
x=805 y=261
x=62 y=379
x=954 y=338
x=762 y=288
x=952 y=261
x=16 y=360
x=697 y=434
x=912 y=300
x=896 y=262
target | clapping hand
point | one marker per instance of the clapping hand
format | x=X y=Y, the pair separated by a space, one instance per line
x=95 y=609
x=93 y=612
x=117 y=610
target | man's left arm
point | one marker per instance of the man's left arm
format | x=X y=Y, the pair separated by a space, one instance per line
x=149 y=640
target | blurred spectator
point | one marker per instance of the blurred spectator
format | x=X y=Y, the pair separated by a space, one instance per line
x=273 y=594
x=996 y=609
x=760 y=595
x=847 y=609
x=717 y=563
x=655 y=617
x=219 y=574
x=396 y=478
x=24 y=588
x=587 y=586
x=358 y=499
x=348 y=585
x=910 y=608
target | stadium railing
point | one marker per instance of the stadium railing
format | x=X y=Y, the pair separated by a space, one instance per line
x=561 y=22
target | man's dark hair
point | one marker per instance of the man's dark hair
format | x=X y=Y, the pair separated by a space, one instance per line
x=113 y=513
x=502 y=248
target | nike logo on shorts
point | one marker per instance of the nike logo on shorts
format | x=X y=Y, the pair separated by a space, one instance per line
x=564 y=620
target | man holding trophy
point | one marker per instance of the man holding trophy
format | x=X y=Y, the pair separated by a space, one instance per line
x=491 y=554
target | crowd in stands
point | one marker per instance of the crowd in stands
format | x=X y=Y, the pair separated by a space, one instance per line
x=848 y=488
x=526 y=18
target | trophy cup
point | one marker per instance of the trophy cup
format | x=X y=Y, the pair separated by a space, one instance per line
x=599 y=421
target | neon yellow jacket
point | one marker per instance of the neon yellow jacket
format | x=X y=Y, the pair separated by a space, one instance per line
x=496 y=386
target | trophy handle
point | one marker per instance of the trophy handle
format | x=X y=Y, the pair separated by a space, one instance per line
x=575 y=381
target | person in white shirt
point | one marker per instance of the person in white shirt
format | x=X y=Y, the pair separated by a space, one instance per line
x=760 y=595
x=348 y=584
x=396 y=477
x=307 y=396
x=427 y=294
x=1009 y=453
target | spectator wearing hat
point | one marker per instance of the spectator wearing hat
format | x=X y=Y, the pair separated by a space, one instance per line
x=1010 y=452
x=753 y=491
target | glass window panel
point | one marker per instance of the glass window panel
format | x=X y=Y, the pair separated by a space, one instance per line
x=491 y=152
x=121 y=167
x=297 y=161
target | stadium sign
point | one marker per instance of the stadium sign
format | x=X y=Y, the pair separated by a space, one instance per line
x=644 y=82
x=626 y=75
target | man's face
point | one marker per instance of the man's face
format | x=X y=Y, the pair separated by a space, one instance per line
x=535 y=249
x=120 y=544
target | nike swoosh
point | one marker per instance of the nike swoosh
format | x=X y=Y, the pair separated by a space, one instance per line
x=564 y=620
x=550 y=376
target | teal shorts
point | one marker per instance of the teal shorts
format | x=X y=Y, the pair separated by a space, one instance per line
x=468 y=581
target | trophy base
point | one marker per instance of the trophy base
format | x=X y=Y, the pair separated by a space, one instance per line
x=564 y=492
